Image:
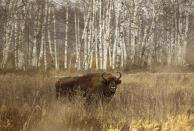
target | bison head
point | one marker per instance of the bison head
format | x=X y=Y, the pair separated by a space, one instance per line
x=111 y=81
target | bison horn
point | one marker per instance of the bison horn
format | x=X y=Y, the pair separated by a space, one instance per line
x=119 y=75
x=103 y=76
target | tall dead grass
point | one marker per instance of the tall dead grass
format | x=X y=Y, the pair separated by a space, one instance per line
x=28 y=103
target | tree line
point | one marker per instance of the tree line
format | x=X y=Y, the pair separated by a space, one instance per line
x=93 y=34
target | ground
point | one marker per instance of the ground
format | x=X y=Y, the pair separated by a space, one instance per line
x=143 y=102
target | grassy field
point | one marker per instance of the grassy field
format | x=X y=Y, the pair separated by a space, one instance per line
x=144 y=102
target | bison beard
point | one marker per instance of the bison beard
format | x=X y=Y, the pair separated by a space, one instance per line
x=96 y=87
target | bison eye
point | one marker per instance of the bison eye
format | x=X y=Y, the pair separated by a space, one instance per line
x=118 y=81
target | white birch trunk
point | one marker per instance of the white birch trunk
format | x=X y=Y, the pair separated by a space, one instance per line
x=100 y=37
x=22 y=47
x=92 y=29
x=45 y=43
x=66 y=35
x=49 y=34
x=34 y=50
x=55 y=42
x=16 y=34
x=96 y=49
x=84 y=38
x=76 y=43
x=41 y=44
x=178 y=38
x=89 y=47
x=134 y=34
x=115 y=45
x=185 y=38
x=106 y=40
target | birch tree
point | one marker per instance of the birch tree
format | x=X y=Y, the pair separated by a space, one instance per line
x=66 y=35
x=102 y=34
x=55 y=42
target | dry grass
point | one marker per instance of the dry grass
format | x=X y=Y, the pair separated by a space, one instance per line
x=144 y=102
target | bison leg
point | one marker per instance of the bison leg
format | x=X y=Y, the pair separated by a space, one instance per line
x=92 y=102
x=88 y=100
x=88 y=104
x=57 y=92
x=62 y=92
x=71 y=96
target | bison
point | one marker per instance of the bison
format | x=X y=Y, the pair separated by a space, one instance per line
x=95 y=87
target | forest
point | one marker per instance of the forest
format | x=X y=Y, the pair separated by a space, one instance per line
x=95 y=34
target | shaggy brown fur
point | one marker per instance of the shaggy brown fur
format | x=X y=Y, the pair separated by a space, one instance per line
x=95 y=86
